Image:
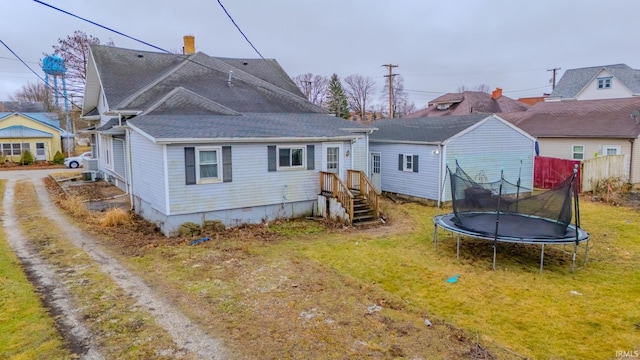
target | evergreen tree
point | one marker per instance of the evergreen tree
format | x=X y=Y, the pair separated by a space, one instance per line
x=336 y=99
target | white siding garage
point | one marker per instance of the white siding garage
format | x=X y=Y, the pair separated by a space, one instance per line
x=483 y=145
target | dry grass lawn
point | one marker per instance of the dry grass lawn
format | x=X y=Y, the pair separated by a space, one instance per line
x=302 y=289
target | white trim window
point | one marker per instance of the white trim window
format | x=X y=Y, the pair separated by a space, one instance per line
x=611 y=150
x=208 y=164
x=15 y=149
x=291 y=157
x=408 y=163
x=604 y=83
x=106 y=152
x=577 y=152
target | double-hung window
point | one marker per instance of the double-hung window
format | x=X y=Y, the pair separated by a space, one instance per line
x=578 y=152
x=208 y=164
x=291 y=157
x=408 y=163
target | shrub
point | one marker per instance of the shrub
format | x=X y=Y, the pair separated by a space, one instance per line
x=26 y=158
x=75 y=206
x=58 y=158
x=116 y=217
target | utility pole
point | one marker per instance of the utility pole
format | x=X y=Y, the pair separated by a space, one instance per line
x=307 y=88
x=553 y=84
x=390 y=76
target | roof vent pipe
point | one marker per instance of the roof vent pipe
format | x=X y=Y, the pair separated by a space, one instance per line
x=230 y=76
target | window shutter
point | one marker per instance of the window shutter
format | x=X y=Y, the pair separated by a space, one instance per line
x=311 y=157
x=190 y=165
x=271 y=157
x=226 y=164
x=401 y=162
x=415 y=163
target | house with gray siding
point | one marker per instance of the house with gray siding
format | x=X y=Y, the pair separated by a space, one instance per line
x=195 y=138
x=411 y=156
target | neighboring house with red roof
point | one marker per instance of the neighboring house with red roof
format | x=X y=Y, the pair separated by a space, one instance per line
x=197 y=138
x=597 y=82
x=582 y=130
x=470 y=102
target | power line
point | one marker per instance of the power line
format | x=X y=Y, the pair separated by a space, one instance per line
x=6 y=58
x=240 y=30
x=34 y=72
x=102 y=26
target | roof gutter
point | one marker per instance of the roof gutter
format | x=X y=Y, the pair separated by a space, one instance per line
x=166 y=141
x=407 y=142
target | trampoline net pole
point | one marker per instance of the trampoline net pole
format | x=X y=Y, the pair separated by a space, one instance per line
x=541 y=258
x=586 y=252
x=435 y=236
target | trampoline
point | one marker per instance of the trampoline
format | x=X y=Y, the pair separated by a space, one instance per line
x=501 y=211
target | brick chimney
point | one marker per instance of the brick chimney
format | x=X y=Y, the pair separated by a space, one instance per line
x=497 y=93
x=189 y=45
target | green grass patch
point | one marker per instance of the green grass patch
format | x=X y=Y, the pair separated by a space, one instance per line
x=590 y=313
x=27 y=331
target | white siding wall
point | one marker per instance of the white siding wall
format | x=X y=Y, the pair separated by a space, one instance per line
x=422 y=184
x=617 y=90
x=148 y=172
x=562 y=148
x=489 y=148
x=359 y=154
x=252 y=184
x=481 y=153
x=635 y=167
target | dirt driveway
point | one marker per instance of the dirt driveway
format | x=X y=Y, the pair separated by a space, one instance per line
x=185 y=334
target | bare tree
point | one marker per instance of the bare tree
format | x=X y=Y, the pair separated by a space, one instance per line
x=314 y=87
x=74 y=49
x=482 y=87
x=35 y=92
x=401 y=104
x=359 y=90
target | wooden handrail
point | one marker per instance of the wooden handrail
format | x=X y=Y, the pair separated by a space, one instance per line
x=359 y=181
x=330 y=183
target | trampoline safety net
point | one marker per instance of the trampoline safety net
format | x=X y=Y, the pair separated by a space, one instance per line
x=505 y=209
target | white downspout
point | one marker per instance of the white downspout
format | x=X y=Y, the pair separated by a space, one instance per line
x=440 y=182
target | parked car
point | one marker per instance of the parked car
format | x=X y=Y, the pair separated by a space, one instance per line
x=76 y=161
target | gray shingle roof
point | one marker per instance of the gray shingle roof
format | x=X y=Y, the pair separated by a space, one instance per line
x=427 y=129
x=610 y=118
x=574 y=80
x=248 y=125
x=137 y=80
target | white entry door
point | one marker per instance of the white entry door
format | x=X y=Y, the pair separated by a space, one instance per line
x=332 y=158
x=374 y=167
x=41 y=151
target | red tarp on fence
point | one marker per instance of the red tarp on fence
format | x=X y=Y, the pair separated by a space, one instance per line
x=549 y=172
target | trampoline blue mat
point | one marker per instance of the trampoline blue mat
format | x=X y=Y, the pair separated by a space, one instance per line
x=516 y=228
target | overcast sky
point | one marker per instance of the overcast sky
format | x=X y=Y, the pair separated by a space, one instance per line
x=437 y=45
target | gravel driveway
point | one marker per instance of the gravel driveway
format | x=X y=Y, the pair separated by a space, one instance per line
x=185 y=333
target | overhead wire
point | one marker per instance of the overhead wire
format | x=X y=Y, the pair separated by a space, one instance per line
x=186 y=57
x=36 y=74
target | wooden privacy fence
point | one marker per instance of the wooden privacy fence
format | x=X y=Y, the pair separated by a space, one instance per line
x=603 y=168
x=549 y=172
